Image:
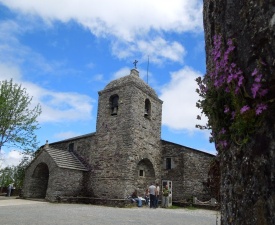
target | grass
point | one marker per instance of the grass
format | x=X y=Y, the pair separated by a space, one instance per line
x=174 y=207
x=180 y=207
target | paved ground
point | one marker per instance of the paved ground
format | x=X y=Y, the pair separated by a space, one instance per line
x=25 y=212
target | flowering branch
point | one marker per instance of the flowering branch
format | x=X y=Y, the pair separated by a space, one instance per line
x=233 y=104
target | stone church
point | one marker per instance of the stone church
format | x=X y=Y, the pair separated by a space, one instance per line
x=125 y=153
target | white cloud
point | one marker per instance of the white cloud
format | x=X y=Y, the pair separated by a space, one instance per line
x=14 y=53
x=124 y=71
x=9 y=71
x=121 y=73
x=124 y=19
x=56 y=106
x=179 y=96
x=12 y=158
x=158 y=49
x=62 y=107
x=133 y=27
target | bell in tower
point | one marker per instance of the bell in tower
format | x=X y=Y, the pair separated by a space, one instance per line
x=114 y=105
x=146 y=112
x=147 y=109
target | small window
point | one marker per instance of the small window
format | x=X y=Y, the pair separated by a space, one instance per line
x=147 y=108
x=168 y=163
x=141 y=173
x=71 y=147
x=114 y=104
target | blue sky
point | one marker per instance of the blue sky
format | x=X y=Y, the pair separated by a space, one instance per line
x=63 y=52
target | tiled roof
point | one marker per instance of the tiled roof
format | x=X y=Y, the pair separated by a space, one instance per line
x=65 y=159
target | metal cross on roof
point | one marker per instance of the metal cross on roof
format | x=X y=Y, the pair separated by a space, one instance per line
x=135 y=63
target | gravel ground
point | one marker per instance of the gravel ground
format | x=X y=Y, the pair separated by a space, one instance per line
x=26 y=212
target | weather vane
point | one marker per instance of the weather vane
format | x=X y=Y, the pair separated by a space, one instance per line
x=135 y=63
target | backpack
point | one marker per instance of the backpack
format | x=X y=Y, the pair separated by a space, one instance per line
x=165 y=192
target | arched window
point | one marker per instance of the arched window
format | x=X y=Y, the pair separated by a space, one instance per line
x=114 y=104
x=147 y=109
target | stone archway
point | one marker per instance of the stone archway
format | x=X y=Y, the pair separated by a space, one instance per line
x=39 y=182
x=145 y=174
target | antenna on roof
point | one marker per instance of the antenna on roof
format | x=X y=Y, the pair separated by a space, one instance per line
x=147 y=68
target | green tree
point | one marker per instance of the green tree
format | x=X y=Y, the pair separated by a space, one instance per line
x=6 y=176
x=15 y=174
x=19 y=171
x=17 y=121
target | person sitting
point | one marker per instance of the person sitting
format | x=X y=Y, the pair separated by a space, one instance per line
x=147 y=196
x=136 y=198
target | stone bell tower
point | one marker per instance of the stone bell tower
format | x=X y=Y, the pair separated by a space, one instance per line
x=128 y=137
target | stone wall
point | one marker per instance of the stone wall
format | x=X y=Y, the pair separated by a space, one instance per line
x=83 y=146
x=65 y=182
x=32 y=184
x=44 y=175
x=189 y=171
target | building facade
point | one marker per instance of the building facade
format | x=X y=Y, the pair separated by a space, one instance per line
x=125 y=153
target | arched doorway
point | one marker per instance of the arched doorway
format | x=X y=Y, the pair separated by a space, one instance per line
x=145 y=174
x=40 y=179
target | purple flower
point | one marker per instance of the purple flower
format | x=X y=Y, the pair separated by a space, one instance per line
x=255 y=88
x=219 y=81
x=226 y=109
x=223 y=131
x=254 y=72
x=217 y=55
x=237 y=89
x=240 y=81
x=260 y=108
x=263 y=63
x=223 y=143
x=239 y=72
x=231 y=47
x=225 y=59
x=244 y=109
x=229 y=42
x=263 y=92
x=230 y=78
x=258 y=78
x=216 y=83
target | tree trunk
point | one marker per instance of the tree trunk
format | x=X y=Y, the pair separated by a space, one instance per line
x=248 y=173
